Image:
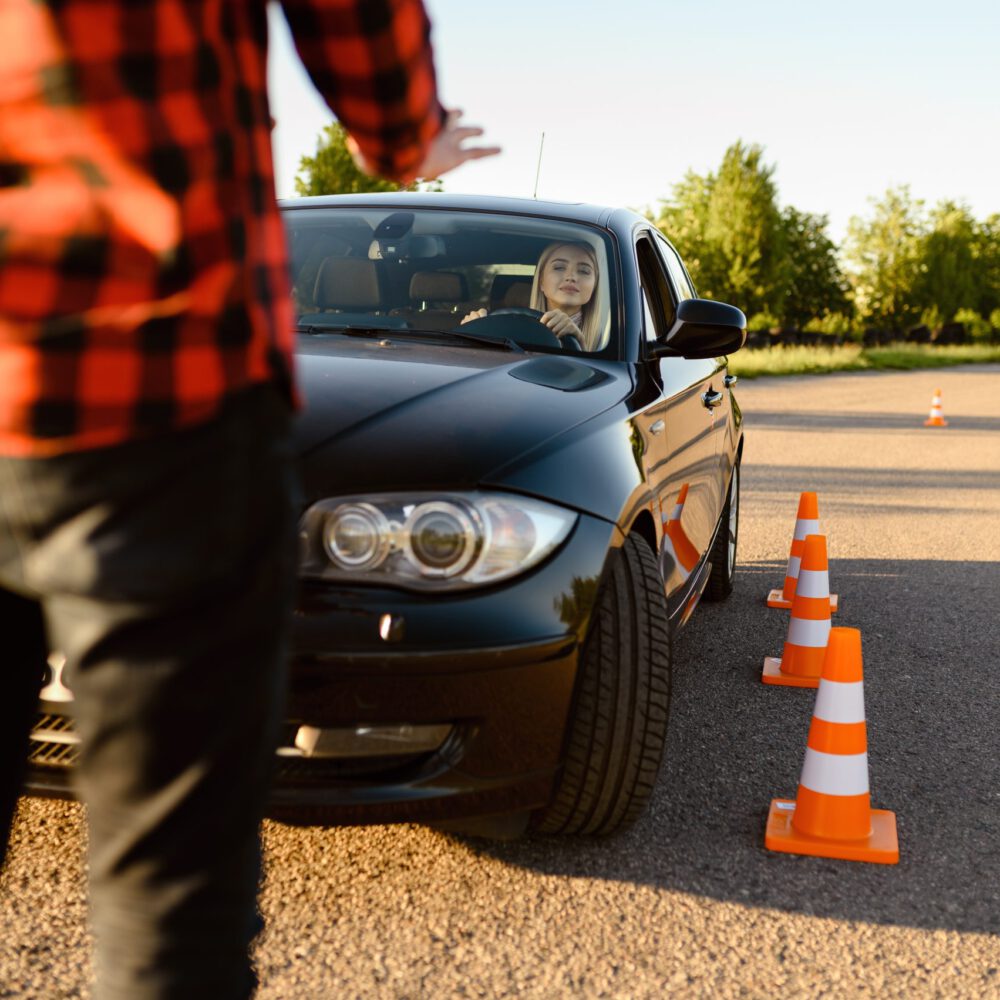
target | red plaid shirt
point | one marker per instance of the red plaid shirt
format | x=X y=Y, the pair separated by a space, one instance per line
x=143 y=276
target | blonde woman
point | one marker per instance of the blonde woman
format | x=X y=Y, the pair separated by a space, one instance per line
x=563 y=291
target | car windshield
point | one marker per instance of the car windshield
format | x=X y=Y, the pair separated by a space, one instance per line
x=429 y=270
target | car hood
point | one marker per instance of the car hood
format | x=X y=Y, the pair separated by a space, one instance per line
x=390 y=414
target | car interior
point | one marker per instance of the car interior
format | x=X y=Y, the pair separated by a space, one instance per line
x=426 y=270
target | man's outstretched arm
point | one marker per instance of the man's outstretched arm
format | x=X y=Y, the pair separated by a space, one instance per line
x=373 y=63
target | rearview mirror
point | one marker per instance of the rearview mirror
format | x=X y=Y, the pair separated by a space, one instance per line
x=703 y=329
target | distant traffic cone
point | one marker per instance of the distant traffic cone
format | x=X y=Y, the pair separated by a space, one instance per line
x=676 y=543
x=831 y=816
x=936 y=419
x=801 y=662
x=806 y=523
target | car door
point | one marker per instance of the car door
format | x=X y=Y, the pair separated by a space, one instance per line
x=683 y=426
x=723 y=423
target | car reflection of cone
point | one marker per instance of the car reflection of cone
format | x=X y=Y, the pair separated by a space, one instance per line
x=676 y=544
x=801 y=662
x=806 y=523
x=936 y=418
x=831 y=816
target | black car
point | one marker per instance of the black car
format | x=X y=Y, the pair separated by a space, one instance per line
x=508 y=512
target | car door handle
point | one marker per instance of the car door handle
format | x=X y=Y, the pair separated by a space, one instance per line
x=656 y=428
x=711 y=398
x=731 y=380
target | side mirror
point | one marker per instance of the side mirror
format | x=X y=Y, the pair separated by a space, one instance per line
x=703 y=329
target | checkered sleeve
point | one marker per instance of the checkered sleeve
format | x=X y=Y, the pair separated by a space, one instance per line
x=372 y=61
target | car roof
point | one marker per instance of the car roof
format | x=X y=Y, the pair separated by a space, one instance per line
x=599 y=215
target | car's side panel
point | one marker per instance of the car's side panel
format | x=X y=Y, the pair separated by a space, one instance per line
x=712 y=374
x=688 y=490
x=683 y=448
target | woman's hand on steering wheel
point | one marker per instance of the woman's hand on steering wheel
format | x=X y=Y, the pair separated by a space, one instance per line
x=475 y=314
x=560 y=324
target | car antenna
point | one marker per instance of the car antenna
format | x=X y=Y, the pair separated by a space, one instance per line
x=541 y=146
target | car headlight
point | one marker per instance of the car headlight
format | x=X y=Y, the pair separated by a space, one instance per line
x=429 y=541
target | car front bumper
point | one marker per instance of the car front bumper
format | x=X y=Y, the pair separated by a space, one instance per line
x=467 y=697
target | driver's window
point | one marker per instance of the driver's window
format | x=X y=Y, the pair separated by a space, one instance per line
x=658 y=305
x=682 y=284
x=648 y=323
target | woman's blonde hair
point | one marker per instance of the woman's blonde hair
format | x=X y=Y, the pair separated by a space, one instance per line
x=592 y=322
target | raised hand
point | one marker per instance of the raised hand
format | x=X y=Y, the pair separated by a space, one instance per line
x=446 y=150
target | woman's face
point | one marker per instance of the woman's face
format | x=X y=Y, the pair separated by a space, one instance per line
x=568 y=279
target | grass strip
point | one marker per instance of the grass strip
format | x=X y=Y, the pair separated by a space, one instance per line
x=792 y=360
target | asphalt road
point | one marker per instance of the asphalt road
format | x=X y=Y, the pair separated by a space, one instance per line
x=688 y=902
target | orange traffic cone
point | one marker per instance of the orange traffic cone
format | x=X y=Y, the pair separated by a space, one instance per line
x=676 y=543
x=936 y=419
x=831 y=816
x=806 y=523
x=801 y=662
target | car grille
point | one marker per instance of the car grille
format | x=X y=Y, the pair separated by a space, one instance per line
x=53 y=742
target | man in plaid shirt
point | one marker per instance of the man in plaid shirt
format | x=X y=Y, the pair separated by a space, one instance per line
x=147 y=507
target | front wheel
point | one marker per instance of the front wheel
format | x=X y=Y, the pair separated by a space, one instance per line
x=618 y=724
x=723 y=556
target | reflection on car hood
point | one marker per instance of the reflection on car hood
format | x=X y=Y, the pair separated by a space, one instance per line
x=383 y=415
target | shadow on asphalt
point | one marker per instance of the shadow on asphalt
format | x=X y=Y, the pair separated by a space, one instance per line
x=931 y=683
x=865 y=482
x=861 y=423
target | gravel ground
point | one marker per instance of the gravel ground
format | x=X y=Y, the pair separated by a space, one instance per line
x=688 y=902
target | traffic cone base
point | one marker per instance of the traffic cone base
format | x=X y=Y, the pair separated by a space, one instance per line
x=881 y=846
x=775 y=599
x=772 y=675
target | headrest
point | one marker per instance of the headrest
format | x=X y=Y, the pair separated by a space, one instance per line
x=510 y=291
x=347 y=283
x=437 y=286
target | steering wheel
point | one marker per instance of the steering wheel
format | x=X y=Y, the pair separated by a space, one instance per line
x=568 y=341
x=520 y=324
x=518 y=311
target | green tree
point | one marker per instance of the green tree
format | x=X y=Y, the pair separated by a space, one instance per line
x=949 y=279
x=746 y=234
x=815 y=284
x=884 y=257
x=332 y=170
x=986 y=254
x=729 y=229
x=684 y=221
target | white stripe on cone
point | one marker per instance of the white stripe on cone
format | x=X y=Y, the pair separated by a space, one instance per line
x=794 y=562
x=808 y=632
x=835 y=773
x=806 y=526
x=813 y=583
x=837 y=701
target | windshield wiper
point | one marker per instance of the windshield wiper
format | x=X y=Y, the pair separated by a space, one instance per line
x=357 y=330
x=350 y=330
x=504 y=343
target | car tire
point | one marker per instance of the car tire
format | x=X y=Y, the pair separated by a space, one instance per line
x=618 y=724
x=723 y=555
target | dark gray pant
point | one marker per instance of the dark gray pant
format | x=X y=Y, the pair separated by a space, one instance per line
x=164 y=570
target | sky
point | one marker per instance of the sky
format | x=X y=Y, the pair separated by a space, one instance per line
x=847 y=99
